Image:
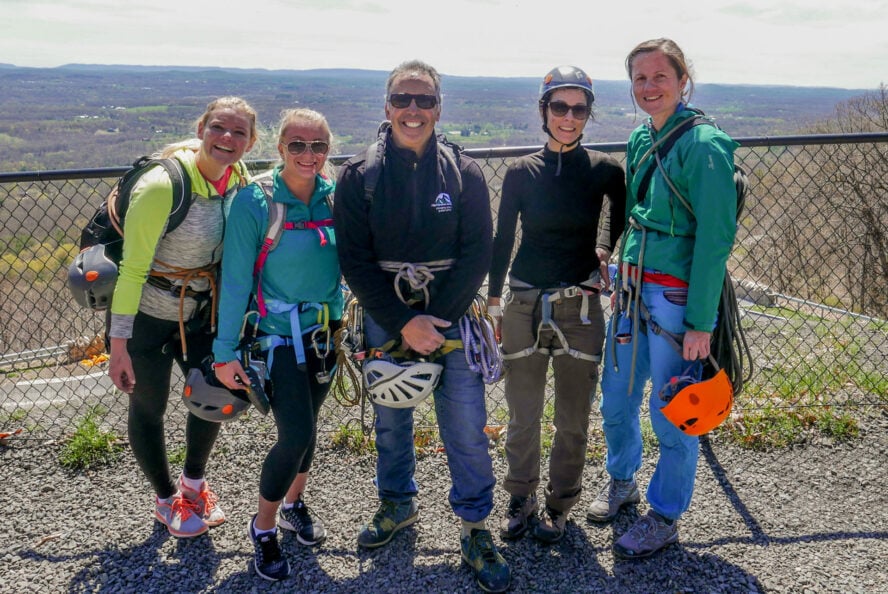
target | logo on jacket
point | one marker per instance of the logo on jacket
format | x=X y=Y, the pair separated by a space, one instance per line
x=443 y=203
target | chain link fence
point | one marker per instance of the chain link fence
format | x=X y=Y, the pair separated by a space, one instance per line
x=810 y=264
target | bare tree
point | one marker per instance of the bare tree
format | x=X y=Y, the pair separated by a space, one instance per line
x=854 y=178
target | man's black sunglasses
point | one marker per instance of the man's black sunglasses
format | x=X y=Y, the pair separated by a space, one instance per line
x=402 y=100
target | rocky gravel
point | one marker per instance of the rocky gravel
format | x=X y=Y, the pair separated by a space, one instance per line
x=803 y=520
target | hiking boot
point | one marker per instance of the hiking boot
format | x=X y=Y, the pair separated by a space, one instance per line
x=309 y=529
x=522 y=511
x=491 y=570
x=180 y=516
x=550 y=526
x=388 y=519
x=646 y=536
x=267 y=559
x=206 y=501
x=611 y=498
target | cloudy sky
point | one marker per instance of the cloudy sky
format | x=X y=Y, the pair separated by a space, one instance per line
x=791 y=42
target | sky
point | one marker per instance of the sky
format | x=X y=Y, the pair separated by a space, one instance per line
x=812 y=43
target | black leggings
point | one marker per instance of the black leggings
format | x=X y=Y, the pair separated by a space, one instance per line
x=153 y=348
x=296 y=398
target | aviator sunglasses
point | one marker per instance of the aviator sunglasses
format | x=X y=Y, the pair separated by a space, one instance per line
x=560 y=109
x=318 y=147
x=402 y=100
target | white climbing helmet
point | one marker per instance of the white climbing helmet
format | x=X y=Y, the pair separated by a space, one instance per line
x=400 y=385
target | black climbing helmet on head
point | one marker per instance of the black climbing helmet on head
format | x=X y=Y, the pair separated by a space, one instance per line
x=562 y=77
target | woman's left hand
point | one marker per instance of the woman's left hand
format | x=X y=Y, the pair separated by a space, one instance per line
x=695 y=345
x=603 y=260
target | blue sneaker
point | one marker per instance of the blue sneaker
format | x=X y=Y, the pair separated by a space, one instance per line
x=388 y=519
x=491 y=571
x=267 y=559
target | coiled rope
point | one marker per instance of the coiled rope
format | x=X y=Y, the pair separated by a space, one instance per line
x=483 y=356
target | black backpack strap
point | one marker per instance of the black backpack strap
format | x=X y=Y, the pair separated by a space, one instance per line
x=182 y=197
x=450 y=155
x=374 y=161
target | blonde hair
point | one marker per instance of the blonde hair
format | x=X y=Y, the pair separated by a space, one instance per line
x=235 y=103
x=304 y=115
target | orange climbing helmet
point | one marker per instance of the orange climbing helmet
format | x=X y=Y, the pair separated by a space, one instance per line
x=698 y=407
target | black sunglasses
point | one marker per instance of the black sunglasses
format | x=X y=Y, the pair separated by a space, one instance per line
x=318 y=147
x=402 y=100
x=560 y=109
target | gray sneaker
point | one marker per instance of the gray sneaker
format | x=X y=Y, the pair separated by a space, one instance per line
x=300 y=519
x=614 y=496
x=522 y=510
x=388 y=519
x=646 y=536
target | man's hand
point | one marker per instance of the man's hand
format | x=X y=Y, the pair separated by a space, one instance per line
x=421 y=335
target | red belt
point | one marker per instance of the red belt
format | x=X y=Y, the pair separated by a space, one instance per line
x=660 y=278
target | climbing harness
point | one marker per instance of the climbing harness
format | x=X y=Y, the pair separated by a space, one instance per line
x=163 y=280
x=417 y=276
x=320 y=336
x=546 y=298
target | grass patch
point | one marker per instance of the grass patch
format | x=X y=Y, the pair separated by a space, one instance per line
x=352 y=439
x=176 y=457
x=773 y=427
x=90 y=446
x=649 y=441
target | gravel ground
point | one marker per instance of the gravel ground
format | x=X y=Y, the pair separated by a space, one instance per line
x=810 y=519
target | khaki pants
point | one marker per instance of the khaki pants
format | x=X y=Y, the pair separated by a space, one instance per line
x=575 y=381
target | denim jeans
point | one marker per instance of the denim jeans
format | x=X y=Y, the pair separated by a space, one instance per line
x=461 y=413
x=672 y=485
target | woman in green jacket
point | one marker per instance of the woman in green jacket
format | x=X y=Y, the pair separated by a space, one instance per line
x=672 y=269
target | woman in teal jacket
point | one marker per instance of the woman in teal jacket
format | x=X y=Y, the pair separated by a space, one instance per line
x=297 y=301
x=672 y=268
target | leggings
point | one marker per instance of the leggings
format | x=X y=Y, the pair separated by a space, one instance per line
x=153 y=348
x=296 y=398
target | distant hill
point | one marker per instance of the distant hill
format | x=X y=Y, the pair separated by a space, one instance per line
x=81 y=115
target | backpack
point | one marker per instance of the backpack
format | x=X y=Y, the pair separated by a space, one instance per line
x=665 y=144
x=448 y=152
x=92 y=275
x=106 y=225
x=728 y=343
x=277 y=224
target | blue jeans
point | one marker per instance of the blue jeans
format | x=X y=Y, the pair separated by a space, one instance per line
x=461 y=413
x=672 y=485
